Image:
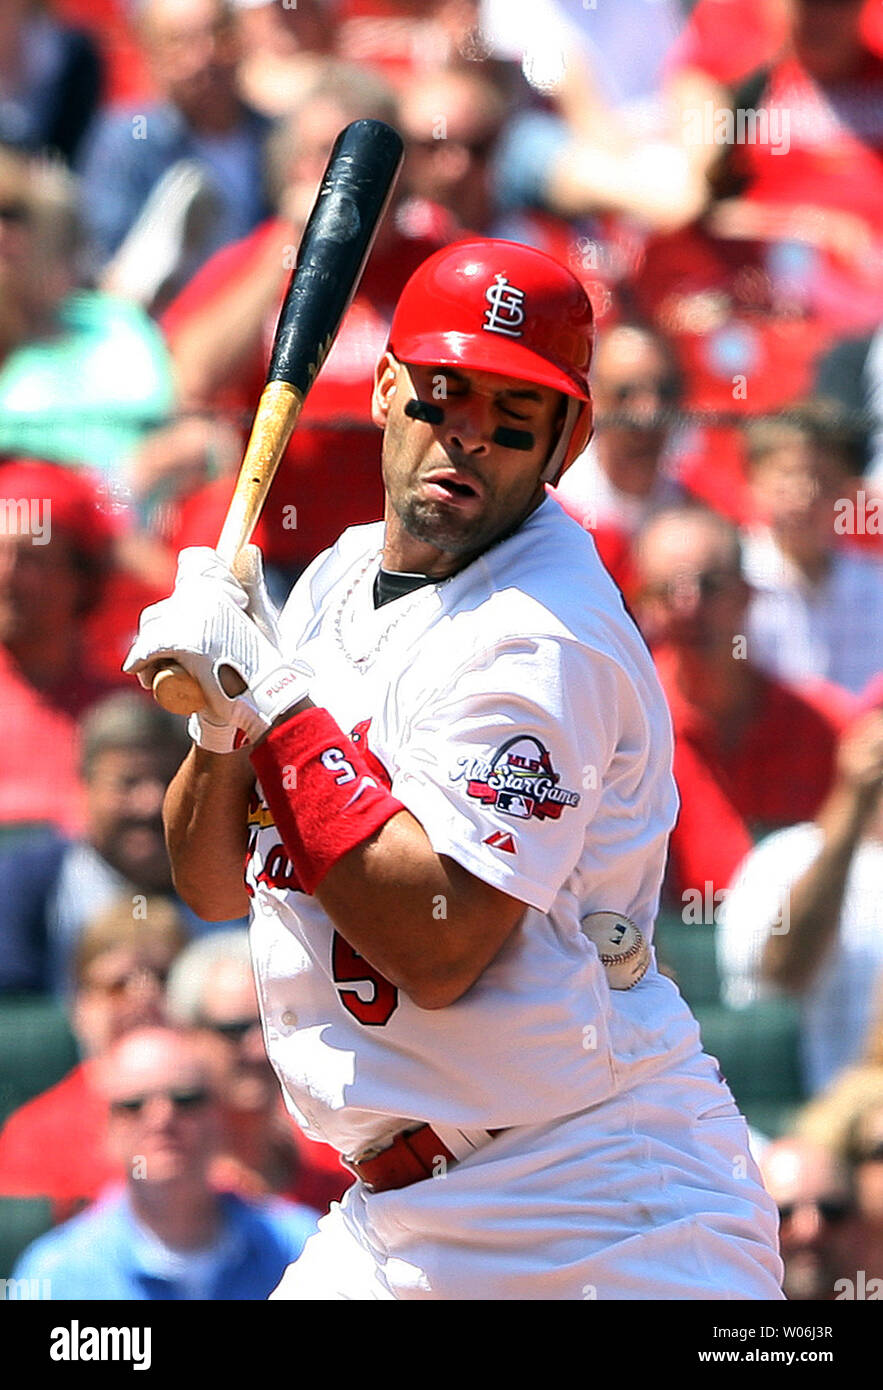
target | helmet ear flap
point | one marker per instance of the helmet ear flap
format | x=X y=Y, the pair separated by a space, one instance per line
x=573 y=436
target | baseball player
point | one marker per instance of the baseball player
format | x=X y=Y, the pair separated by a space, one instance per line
x=458 y=756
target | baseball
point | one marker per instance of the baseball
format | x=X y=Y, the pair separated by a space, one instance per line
x=624 y=952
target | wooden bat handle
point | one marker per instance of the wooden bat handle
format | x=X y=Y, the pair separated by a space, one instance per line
x=180 y=693
x=275 y=418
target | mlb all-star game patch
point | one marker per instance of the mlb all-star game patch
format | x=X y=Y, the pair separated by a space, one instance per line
x=517 y=780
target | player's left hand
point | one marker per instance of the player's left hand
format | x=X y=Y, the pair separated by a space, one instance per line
x=204 y=626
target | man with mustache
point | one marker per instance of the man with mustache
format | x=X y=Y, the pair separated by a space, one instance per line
x=458 y=776
x=51 y=885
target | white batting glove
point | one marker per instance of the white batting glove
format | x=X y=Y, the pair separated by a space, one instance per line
x=249 y=570
x=204 y=626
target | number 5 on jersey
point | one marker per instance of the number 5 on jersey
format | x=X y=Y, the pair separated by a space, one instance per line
x=349 y=970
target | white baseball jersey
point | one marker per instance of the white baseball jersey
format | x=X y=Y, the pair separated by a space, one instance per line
x=515 y=711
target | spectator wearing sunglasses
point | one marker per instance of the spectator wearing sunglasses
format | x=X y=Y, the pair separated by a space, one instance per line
x=53 y=1145
x=627 y=472
x=818 y=1230
x=167 y=1234
x=447 y=168
x=865 y=1153
x=751 y=753
x=211 y=987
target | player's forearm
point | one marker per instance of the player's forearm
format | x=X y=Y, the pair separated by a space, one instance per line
x=427 y=924
x=811 y=914
x=665 y=190
x=205 y=815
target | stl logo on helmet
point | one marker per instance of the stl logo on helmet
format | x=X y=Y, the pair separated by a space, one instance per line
x=506 y=314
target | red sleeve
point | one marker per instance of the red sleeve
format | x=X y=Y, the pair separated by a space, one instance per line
x=872 y=25
x=729 y=39
x=53 y=1146
x=711 y=838
x=784 y=768
x=837 y=706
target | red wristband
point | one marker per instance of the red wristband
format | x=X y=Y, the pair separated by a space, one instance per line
x=321 y=792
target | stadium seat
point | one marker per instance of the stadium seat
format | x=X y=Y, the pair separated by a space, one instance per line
x=758 y=1052
x=37 y=1048
x=686 y=951
x=22 y=1219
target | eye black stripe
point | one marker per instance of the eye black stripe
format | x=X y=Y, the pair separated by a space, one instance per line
x=426 y=411
x=513 y=439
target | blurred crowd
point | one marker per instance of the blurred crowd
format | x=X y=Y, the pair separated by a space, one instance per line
x=713 y=174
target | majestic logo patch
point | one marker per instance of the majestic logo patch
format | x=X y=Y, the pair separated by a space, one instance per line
x=506 y=314
x=500 y=840
x=517 y=780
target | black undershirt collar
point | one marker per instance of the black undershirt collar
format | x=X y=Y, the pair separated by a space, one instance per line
x=389 y=585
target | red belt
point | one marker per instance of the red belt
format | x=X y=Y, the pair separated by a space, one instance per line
x=409 y=1158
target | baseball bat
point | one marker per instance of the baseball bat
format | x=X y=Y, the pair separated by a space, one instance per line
x=352 y=198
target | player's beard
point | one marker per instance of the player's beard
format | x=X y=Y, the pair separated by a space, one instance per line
x=434 y=523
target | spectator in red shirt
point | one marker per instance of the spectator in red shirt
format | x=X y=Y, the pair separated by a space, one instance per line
x=53 y=1146
x=787 y=255
x=53 y=565
x=727 y=39
x=812 y=174
x=751 y=754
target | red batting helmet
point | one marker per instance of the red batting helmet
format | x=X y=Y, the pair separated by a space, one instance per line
x=499 y=306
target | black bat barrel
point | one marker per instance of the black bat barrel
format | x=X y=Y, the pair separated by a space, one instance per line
x=358 y=181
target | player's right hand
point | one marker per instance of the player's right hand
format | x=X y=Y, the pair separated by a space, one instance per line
x=204 y=626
